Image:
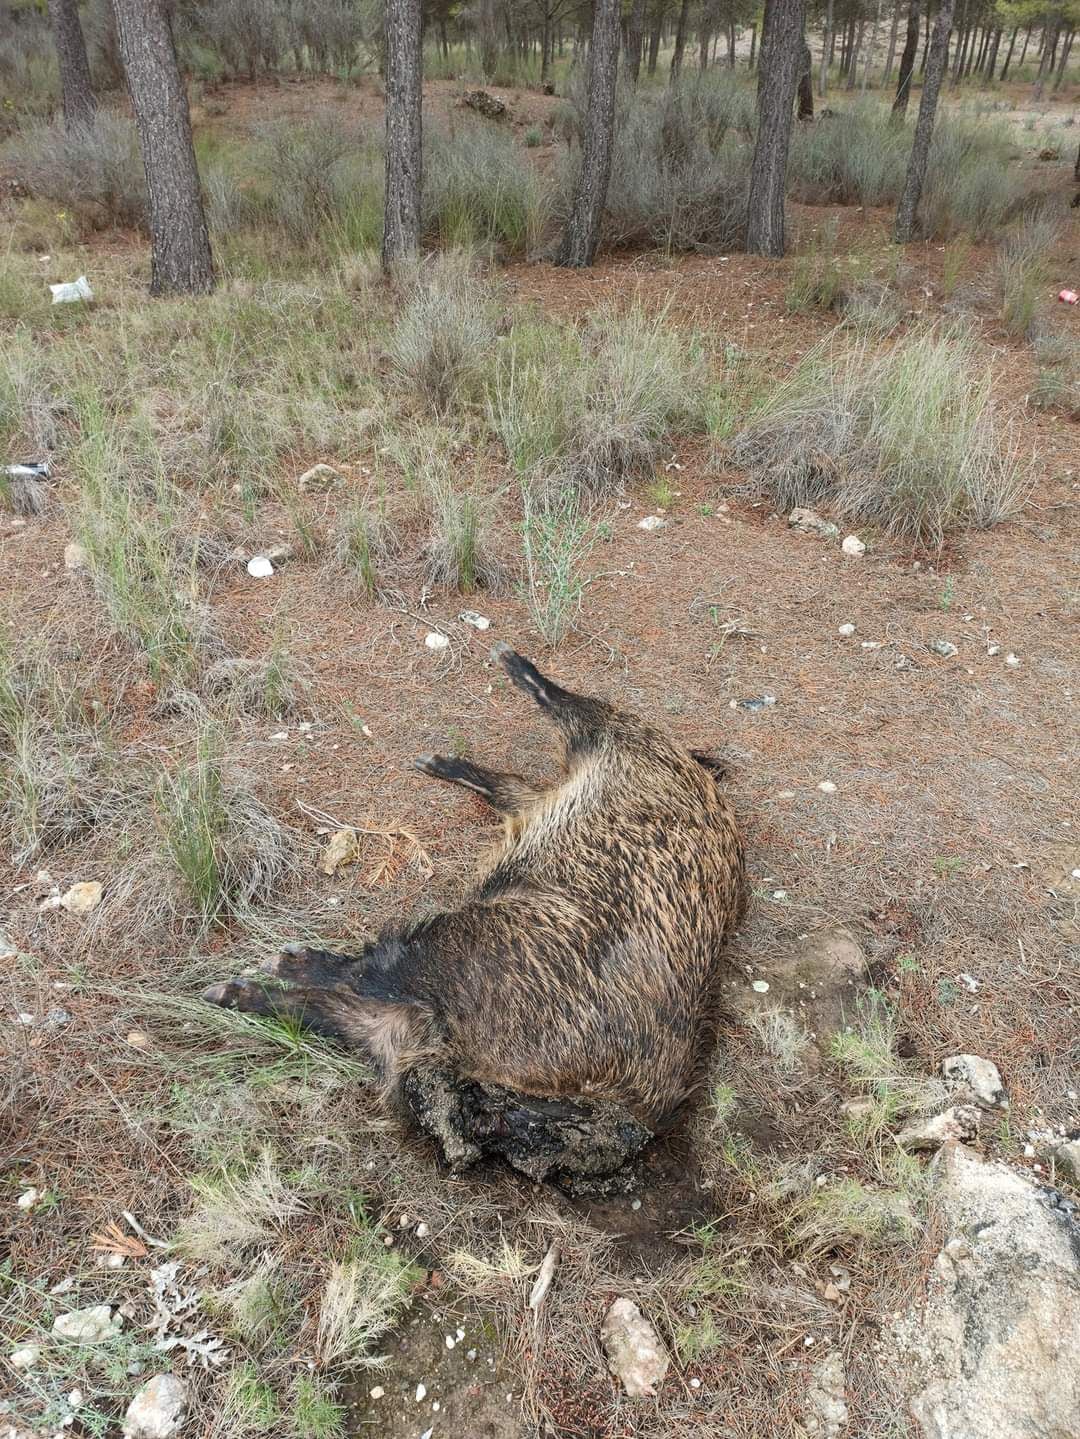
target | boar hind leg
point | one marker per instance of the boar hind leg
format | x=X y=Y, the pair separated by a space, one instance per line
x=507 y=793
x=580 y=720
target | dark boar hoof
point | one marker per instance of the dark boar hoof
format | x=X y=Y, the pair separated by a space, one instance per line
x=239 y=993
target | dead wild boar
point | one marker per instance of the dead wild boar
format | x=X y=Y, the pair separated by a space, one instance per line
x=559 y=1017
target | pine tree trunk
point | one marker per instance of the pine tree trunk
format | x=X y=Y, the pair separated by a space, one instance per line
x=1008 y=57
x=871 y=48
x=731 y=46
x=924 y=128
x=180 y=245
x=893 y=37
x=582 y=233
x=635 y=38
x=489 y=37
x=781 y=59
x=680 y=40
x=1023 y=52
x=926 y=44
x=991 y=59
x=404 y=122
x=753 y=42
x=1065 y=49
x=655 y=36
x=805 y=100
x=703 y=48
x=76 y=87
x=827 y=42
x=853 y=58
x=907 y=62
x=1049 y=45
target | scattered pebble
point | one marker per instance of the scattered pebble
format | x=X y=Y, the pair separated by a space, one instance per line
x=75 y=556
x=377 y=1392
x=477 y=621
x=760 y=986
x=635 y=1352
x=471 y=1355
x=652 y=522
x=695 y=1383
x=992 y=650
x=945 y=648
x=635 y=1204
x=827 y=787
x=753 y=706
x=785 y=794
x=811 y=523
x=436 y=641
x=24 y=1358
x=28 y=1198
x=853 y=546
x=158 y=1409
x=87 y=1326
x=75 y=1398
x=979 y=1076
x=1029 y=1151
x=970 y=983
x=1013 y=661
x=846 y=630
x=422 y=1231
x=421 y=1392
x=259 y=567
x=449 y=1341
x=84 y=897
x=319 y=477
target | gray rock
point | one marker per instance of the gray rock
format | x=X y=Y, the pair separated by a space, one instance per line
x=75 y=556
x=972 y=1076
x=1066 y=1157
x=319 y=477
x=961 y=1122
x=809 y=522
x=826 y=1410
x=993 y=1352
x=158 y=1409
x=945 y=648
x=88 y=1326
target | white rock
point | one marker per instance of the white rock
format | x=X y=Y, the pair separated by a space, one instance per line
x=945 y=648
x=811 y=523
x=26 y=1357
x=75 y=557
x=259 y=567
x=846 y=630
x=75 y=1398
x=960 y=1122
x=760 y=986
x=377 y=1392
x=853 y=546
x=477 y=621
x=635 y=1352
x=83 y=897
x=138 y=1039
x=88 y=1326
x=827 y=787
x=1013 y=661
x=158 y=1409
x=1066 y=1158
x=976 y=1076
x=421 y=1392
x=826 y=1411
x=652 y=522
x=319 y=477
x=71 y=291
x=436 y=641
x=28 y=1198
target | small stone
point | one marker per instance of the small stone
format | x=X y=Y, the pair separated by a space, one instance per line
x=342 y=848
x=75 y=556
x=635 y=1352
x=695 y=1383
x=827 y=787
x=979 y=1077
x=993 y=650
x=652 y=522
x=945 y=648
x=83 y=897
x=26 y=1357
x=635 y=1204
x=319 y=477
x=75 y=1398
x=853 y=546
x=809 y=522
x=422 y=1230
x=960 y=1123
x=477 y=621
x=436 y=641
x=88 y=1326
x=259 y=567
x=421 y=1392
x=1013 y=661
x=449 y=1341
x=1066 y=1159
x=857 y=1109
x=760 y=986
x=280 y=553
x=377 y=1392
x=471 y=1355
x=846 y=630
x=28 y=1198
x=1029 y=1151
x=138 y=1039
x=158 y=1409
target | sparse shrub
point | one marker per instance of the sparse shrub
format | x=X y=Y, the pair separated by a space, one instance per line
x=304 y=172
x=905 y=439
x=239 y=1207
x=445 y=330
x=817 y=280
x=534 y=136
x=227 y=849
x=596 y=408
x=265 y=686
x=458 y=554
x=366 y=542
x=1057 y=380
x=314 y=1412
x=1022 y=270
x=96 y=171
x=854 y=157
x=479 y=192
x=781 y=1035
x=250 y=35
x=871 y=307
x=557 y=538
x=360 y=1299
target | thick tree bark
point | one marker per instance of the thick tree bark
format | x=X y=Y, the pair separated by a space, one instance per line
x=853 y=58
x=634 y=39
x=893 y=36
x=1023 y=52
x=582 y=233
x=827 y=42
x=805 y=101
x=404 y=132
x=924 y=128
x=489 y=36
x=180 y=244
x=76 y=87
x=781 y=59
x=753 y=43
x=655 y=36
x=907 y=62
x=991 y=59
x=680 y=40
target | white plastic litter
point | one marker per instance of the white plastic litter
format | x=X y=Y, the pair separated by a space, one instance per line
x=72 y=290
x=259 y=567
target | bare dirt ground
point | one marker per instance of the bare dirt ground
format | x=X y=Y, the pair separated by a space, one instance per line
x=949 y=845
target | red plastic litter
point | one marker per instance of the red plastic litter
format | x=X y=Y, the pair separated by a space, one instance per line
x=1069 y=296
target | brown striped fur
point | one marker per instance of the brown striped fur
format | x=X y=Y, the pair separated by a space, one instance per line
x=583 y=962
